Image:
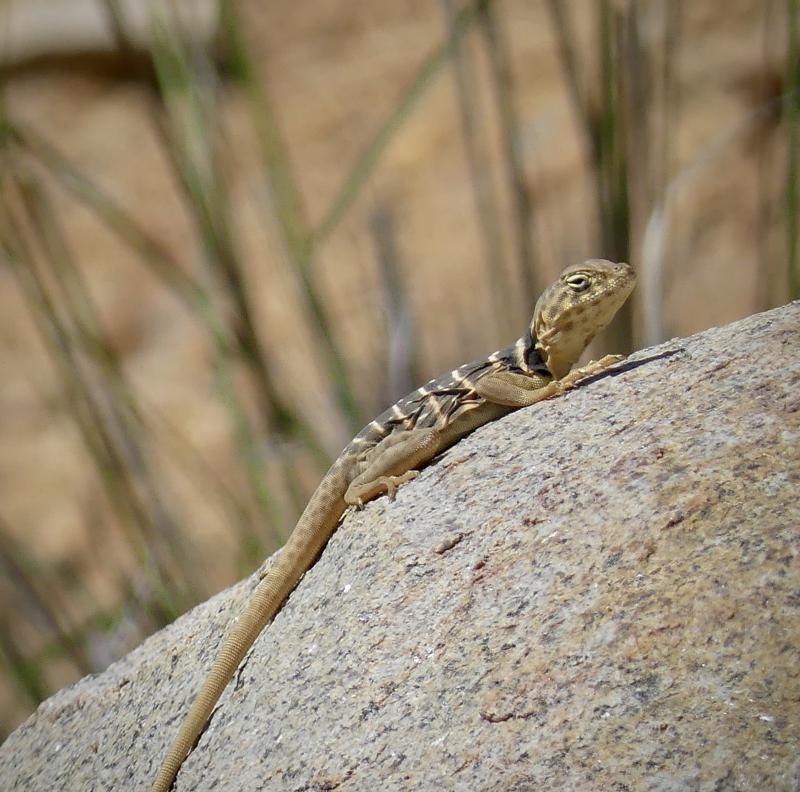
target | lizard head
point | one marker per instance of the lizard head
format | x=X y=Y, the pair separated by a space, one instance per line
x=576 y=307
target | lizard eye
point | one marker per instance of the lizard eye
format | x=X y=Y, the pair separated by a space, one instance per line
x=578 y=282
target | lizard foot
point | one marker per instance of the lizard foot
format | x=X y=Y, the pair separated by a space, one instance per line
x=358 y=495
x=393 y=482
x=589 y=370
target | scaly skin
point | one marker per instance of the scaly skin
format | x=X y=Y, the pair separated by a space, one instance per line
x=390 y=449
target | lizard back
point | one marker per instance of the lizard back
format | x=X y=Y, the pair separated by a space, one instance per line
x=440 y=401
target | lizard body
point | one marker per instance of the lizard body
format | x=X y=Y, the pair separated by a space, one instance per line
x=390 y=449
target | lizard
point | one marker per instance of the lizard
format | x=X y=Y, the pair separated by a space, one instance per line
x=389 y=451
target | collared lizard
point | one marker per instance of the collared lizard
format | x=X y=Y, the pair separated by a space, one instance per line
x=390 y=449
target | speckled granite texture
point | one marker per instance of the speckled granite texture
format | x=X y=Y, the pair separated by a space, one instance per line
x=598 y=593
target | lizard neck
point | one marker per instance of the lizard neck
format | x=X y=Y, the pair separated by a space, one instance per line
x=559 y=358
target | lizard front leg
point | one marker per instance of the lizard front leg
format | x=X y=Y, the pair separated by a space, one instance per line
x=391 y=463
x=593 y=367
x=521 y=390
x=515 y=390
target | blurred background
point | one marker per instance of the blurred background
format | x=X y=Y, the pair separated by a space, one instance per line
x=232 y=232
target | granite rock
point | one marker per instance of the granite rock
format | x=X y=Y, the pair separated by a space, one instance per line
x=601 y=592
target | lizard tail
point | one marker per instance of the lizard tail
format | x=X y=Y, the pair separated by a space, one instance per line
x=310 y=535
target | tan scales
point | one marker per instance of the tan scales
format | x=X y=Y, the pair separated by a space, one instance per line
x=390 y=450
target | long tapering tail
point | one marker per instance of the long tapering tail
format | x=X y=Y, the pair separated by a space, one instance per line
x=310 y=535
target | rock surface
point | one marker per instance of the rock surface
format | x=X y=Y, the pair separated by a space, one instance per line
x=598 y=593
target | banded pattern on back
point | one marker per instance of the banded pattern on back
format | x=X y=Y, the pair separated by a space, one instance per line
x=440 y=401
